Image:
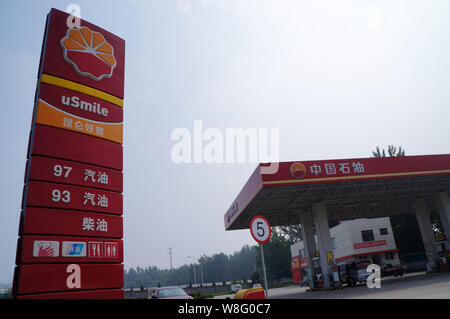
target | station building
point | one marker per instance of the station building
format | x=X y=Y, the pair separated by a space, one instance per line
x=352 y=240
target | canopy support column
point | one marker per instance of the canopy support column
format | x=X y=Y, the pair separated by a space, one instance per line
x=443 y=205
x=426 y=230
x=324 y=241
x=309 y=243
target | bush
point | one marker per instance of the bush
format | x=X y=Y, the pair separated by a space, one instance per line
x=200 y=295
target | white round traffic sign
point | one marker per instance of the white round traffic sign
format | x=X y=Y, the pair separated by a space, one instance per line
x=260 y=229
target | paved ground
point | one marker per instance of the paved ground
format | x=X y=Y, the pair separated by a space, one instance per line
x=410 y=286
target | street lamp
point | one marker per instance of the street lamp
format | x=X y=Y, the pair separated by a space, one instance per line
x=201 y=272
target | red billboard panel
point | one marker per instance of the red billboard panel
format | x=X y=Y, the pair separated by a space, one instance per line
x=54 y=142
x=89 y=55
x=67 y=172
x=56 y=249
x=42 y=194
x=370 y=244
x=45 y=278
x=46 y=221
x=89 y=294
x=71 y=226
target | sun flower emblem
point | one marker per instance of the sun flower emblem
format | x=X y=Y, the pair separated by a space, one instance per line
x=89 y=53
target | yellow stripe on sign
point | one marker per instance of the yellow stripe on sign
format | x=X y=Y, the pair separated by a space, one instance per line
x=53 y=80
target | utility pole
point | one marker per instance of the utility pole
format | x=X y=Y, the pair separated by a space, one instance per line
x=170 y=254
x=195 y=276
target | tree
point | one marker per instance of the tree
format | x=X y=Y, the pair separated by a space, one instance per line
x=242 y=263
x=392 y=151
x=255 y=276
x=216 y=268
x=7 y=294
x=292 y=233
x=277 y=256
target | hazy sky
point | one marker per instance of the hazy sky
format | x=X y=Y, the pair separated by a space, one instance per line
x=337 y=78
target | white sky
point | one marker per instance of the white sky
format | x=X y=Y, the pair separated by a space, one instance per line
x=337 y=78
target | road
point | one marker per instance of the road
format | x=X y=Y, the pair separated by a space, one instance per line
x=410 y=286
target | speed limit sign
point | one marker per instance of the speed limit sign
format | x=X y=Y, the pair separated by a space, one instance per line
x=260 y=229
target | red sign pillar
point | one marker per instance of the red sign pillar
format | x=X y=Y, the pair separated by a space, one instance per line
x=70 y=236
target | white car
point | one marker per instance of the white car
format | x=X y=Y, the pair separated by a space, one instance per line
x=236 y=287
x=257 y=286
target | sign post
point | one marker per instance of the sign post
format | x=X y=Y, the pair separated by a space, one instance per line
x=260 y=230
x=266 y=288
x=71 y=226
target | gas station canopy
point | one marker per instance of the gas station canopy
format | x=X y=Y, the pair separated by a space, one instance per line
x=349 y=188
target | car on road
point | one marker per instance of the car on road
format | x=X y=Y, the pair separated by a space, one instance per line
x=353 y=272
x=236 y=287
x=257 y=286
x=390 y=270
x=173 y=292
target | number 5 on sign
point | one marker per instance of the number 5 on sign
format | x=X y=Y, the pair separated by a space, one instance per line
x=260 y=229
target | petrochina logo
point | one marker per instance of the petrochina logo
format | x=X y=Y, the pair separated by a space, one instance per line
x=89 y=53
x=298 y=170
